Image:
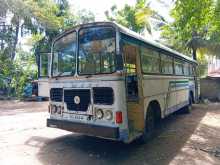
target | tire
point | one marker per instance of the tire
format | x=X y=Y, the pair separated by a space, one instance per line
x=150 y=124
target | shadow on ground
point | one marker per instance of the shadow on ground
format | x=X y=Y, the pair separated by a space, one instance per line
x=76 y=149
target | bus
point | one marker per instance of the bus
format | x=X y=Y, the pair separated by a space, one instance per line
x=110 y=82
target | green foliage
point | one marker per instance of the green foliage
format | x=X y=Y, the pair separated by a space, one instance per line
x=192 y=21
x=135 y=17
x=43 y=19
x=195 y=30
x=202 y=63
x=26 y=71
x=143 y=14
x=83 y=16
x=19 y=71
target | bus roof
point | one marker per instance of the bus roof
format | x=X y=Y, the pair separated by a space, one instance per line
x=133 y=34
x=152 y=42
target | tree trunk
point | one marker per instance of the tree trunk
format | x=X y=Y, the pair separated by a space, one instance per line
x=15 y=40
x=2 y=32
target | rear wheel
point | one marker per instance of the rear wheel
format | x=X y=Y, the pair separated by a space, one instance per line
x=149 y=125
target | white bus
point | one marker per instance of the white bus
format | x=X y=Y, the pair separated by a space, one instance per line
x=107 y=81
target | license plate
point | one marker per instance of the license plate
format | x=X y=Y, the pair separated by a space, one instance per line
x=78 y=117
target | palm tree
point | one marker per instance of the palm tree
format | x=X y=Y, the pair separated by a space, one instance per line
x=142 y=15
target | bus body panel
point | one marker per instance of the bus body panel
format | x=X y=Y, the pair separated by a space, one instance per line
x=136 y=119
x=43 y=74
x=116 y=83
x=171 y=92
x=43 y=87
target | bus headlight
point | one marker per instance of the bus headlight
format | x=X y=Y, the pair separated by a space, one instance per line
x=59 y=109
x=108 y=115
x=99 y=113
x=53 y=109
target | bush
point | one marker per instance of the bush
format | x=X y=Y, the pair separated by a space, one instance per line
x=19 y=71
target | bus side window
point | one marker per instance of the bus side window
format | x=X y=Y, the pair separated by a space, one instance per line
x=150 y=60
x=166 y=64
x=130 y=59
x=186 y=69
x=179 y=67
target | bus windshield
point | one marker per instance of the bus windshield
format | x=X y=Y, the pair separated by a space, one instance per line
x=64 y=55
x=96 y=50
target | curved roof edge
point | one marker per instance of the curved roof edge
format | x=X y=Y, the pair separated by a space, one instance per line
x=130 y=33
x=152 y=42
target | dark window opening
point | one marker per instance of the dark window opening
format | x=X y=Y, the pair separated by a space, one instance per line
x=130 y=55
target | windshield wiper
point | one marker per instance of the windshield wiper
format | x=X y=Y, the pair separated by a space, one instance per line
x=60 y=74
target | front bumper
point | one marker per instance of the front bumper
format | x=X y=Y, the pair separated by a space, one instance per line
x=88 y=129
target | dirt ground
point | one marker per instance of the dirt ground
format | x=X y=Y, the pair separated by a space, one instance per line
x=181 y=139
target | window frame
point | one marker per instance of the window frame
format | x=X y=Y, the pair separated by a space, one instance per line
x=52 y=60
x=141 y=43
x=126 y=39
x=77 y=53
x=141 y=59
x=48 y=54
x=171 y=56
x=186 y=67
x=182 y=63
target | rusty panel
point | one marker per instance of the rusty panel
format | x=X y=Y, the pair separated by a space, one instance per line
x=135 y=116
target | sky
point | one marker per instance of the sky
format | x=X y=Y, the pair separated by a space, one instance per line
x=98 y=7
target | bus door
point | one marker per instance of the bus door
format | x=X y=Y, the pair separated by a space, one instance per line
x=133 y=89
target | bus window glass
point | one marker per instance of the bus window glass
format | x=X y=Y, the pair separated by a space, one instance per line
x=166 y=64
x=150 y=61
x=96 y=50
x=64 y=55
x=129 y=52
x=178 y=67
x=186 y=69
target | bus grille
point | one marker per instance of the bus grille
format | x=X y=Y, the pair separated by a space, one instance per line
x=83 y=94
x=56 y=94
x=103 y=95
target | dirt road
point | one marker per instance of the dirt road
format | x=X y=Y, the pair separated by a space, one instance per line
x=182 y=139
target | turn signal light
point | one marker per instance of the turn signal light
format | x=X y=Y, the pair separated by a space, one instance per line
x=59 y=109
x=119 y=117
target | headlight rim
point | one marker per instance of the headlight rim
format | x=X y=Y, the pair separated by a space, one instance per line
x=110 y=113
x=101 y=112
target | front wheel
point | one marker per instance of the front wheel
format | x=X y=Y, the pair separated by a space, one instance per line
x=149 y=126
